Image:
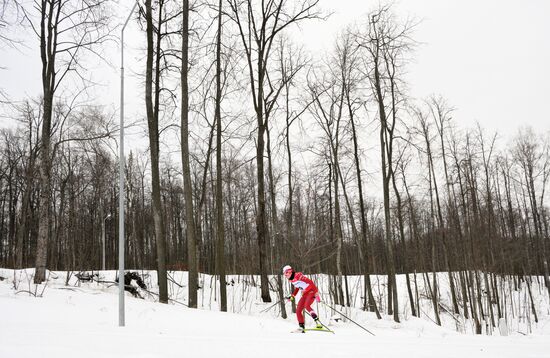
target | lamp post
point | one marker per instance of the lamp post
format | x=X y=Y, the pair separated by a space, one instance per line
x=121 y=196
x=103 y=242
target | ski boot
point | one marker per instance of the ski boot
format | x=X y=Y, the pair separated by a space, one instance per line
x=318 y=323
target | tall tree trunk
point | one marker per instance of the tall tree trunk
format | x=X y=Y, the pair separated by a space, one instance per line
x=261 y=224
x=431 y=221
x=50 y=12
x=220 y=252
x=187 y=188
x=275 y=222
x=386 y=177
x=403 y=242
x=152 y=105
x=372 y=306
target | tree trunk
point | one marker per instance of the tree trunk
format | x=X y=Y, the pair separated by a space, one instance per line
x=187 y=188
x=220 y=257
x=48 y=42
x=364 y=228
x=152 y=120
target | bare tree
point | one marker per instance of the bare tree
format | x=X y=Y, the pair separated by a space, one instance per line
x=31 y=119
x=533 y=160
x=187 y=183
x=441 y=113
x=220 y=252
x=331 y=102
x=386 y=43
x=65 y=30
x=156 y=33
x=352 y=79
x=259 y=25
x=425 y=130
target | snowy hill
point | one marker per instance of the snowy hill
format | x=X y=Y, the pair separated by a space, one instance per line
x=82 y=321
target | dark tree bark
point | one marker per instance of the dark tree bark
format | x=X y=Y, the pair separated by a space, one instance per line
x=220 y=232
x=152 y=99
x=372 y=306
x=187 y=183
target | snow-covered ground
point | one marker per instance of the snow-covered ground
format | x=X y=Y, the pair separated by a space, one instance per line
x=82 y=321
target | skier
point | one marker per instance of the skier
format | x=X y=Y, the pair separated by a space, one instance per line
x=309 y=294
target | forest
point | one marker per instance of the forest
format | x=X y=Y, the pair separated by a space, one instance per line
x=259 y=154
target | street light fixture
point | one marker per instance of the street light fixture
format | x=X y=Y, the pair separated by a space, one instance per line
x=121 y=196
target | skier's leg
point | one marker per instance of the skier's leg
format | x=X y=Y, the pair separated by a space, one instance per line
x=300 y=311
x=308 y=301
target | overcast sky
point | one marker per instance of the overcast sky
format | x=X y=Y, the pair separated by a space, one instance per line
x=488 y=58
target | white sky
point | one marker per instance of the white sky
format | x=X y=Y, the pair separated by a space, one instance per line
x=488 y=58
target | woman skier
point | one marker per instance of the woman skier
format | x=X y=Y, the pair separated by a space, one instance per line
x=309 y=294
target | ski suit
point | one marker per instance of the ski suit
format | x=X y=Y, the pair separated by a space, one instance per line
x=309 y=290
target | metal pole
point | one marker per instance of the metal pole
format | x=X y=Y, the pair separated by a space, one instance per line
x=121 y=196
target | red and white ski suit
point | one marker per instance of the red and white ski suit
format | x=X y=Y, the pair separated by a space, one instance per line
x=309 y=291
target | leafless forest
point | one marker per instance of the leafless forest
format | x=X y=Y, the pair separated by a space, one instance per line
x=260 y=154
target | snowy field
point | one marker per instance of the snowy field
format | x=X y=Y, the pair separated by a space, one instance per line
x=81 y=320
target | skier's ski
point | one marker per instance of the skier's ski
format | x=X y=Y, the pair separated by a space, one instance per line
x=324 y=329
x=313 y=329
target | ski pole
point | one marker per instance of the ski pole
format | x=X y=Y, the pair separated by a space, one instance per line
x=343 y=315
x=270 y=307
